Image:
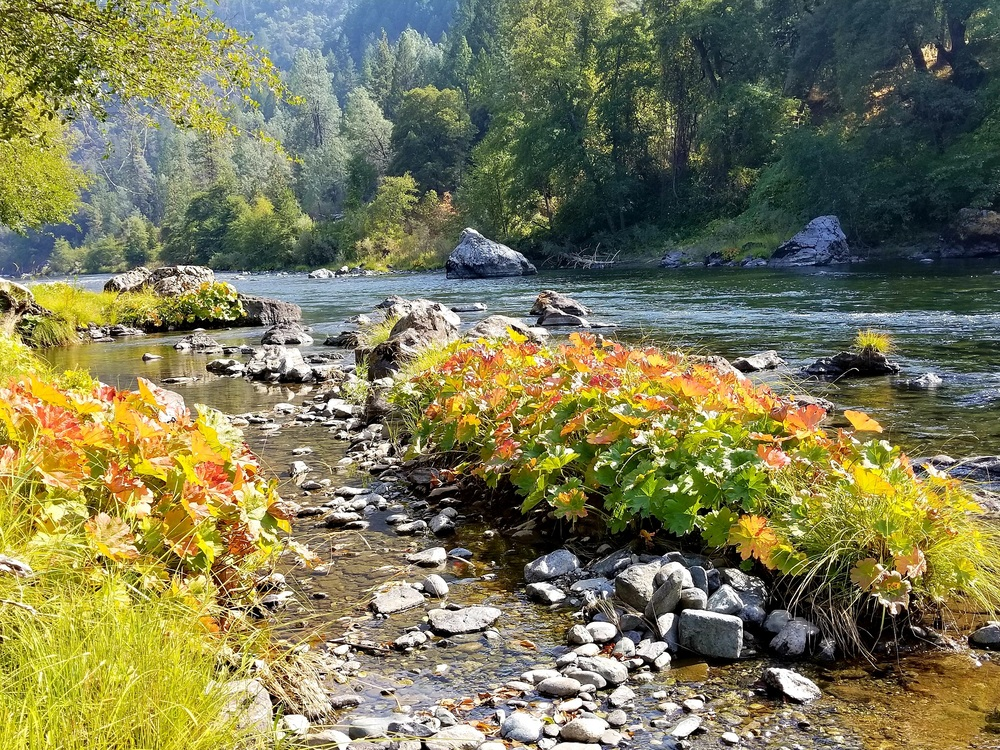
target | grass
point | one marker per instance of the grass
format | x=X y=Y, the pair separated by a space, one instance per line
x=15 y=357
x=73 y=308
x=377 y=333
x=870 y=341
x=90 y=663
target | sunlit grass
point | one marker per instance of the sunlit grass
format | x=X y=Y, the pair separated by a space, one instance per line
x=869 y=341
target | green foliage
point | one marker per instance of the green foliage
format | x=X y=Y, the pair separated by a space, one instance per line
x=16 y=358
x=639 y=437
x=211 y=304
x=870 y=341
x=372 y=335
x=431 y=138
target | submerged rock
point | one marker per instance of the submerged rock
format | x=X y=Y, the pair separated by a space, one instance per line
x=461 y=621
x=821 y=243
x=397 y=599
x=792 y=685
x=479 y=258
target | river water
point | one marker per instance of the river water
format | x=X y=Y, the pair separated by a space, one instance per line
x=944 y=318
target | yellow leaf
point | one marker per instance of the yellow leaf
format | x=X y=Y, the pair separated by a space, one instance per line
x=862 y=422
x=871 y=483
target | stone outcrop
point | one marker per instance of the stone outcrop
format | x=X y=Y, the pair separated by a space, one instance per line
x=427 y=324
x=130 y=281
x=821 y=243
x=17 y=299
x=852 y=365
x=477 y=257
x=973 y=225
x=264 y=311
x=169 y=281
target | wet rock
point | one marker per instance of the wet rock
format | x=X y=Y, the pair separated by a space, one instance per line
x=584 y=730
x=711 y=634
x=362 y=727
x=552 y=318
x=458 y=737
x=562 y=562
x=987 y=637
x=777 y=620
x=199 y=342
x=469 y=620
x=686 y=727
x=229 y=367
x=410 y=640
x=150 y=357
x=821 y=243
x=621 y=696
x=479 y=258
x=327 y=738
x=557 y=301
x=429 y=558
x=852 y=365
x=545 y=593
x=673 y=259
x=277 y=364
x=792 y=685
x=397 y=599
x=469 y=307
x=599 y=586
x=589 y=680
x=341 y=518
x=768 y=360
x=579 y=635
x=521 y=727
x=322 y=273
x=636 y=585
x=286 y=335
x=730 y=738
x=793 y=640
x=436 y=586
x=411 y=528
x=559 y=687
x=442 y=525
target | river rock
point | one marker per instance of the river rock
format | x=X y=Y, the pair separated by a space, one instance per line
x=429 y=558
x=602 y=632
x=792 y=685
x=277 y=364
x=556 y=564
x=461 y=621
x=711 y=634
x=545 y=593
x=199 y=342
x=768 y=360
x=265 y=311
x=435 y=586
x=793 y=639
x=777 y=620
x=327 y=738
x=686 y=727
x=852 y=365
x=725 y=601
x=397 y=599
x=130 y=281
x=458 y=737
x=615 y=672
x=361 y=727
x=231 y=367
x=552 y=318
x=559 y=687
x=442 y=525
x=584 y=730
x=322 y=273
x=285 y=334
x=987 y=637
x=250 y=703
x=174 y=281
x=479 y=258
x=499 y=327
x=821 y=243
x=673 y=259
x=556 y=301
x=521 y=726
x=636 y=585
x=427 y=324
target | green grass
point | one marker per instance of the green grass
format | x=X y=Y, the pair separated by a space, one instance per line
x=15 y=357
x=377 y=333
x=870 y=341
x=73 y=308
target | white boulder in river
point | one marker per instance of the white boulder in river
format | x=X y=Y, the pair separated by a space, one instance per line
x=477 y=257
x=821 y=243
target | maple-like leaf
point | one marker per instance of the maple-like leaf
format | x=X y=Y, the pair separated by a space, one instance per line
x=805 y=419
x=753 y=538
x=866 y=573
x=111 y=537
x=773 y=456
x=892 y=592
x=862 y=422
x=913 y=565
x=871 y=483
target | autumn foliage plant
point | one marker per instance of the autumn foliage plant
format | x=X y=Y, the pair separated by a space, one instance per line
x=175 y=497
x=652 y=441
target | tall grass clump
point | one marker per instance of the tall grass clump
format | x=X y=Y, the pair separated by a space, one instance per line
x=869 y=341
x=606 y=436
x=16 y=358
x=376 y=333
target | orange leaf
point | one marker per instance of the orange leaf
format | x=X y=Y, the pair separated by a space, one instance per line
x=752 y=536
x=862 y=422
x=912 y=565
x=773 y=456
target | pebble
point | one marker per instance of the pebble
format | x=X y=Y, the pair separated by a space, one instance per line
x=545 y=593
x=429 y=558
x=621 y=696
x=436 y=586
x=560 y=687
x=521 y=727
x=686 y=727
x=731 y=738
x=602 y=632
x=617 y=718
x=584 y=730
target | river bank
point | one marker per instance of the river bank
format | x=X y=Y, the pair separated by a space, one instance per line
x=508 y=657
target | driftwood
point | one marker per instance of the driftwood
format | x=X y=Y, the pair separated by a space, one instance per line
x=591 y=262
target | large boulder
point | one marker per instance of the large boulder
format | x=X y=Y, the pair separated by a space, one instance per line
x=17 y=299
x=852 y=365
x=560 y=302
x=264 y=311
x=173 y=281
x=479 y=258
x=821 y=243
x=130 y=281
x=427 y=324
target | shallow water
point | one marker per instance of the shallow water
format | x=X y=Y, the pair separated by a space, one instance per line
x=944 y=319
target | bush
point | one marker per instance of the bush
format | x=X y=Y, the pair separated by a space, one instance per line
x=142 y=480
x=212 y=303
x=638 y=437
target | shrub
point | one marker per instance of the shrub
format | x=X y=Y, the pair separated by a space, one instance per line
x=212 y=302
x=145 y=482
x=639 y=437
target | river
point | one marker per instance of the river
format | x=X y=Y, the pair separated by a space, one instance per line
x=944 y=318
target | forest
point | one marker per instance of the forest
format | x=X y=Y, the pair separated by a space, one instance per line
x=629 y=126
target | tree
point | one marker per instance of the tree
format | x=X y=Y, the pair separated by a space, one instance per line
x=432 y=137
